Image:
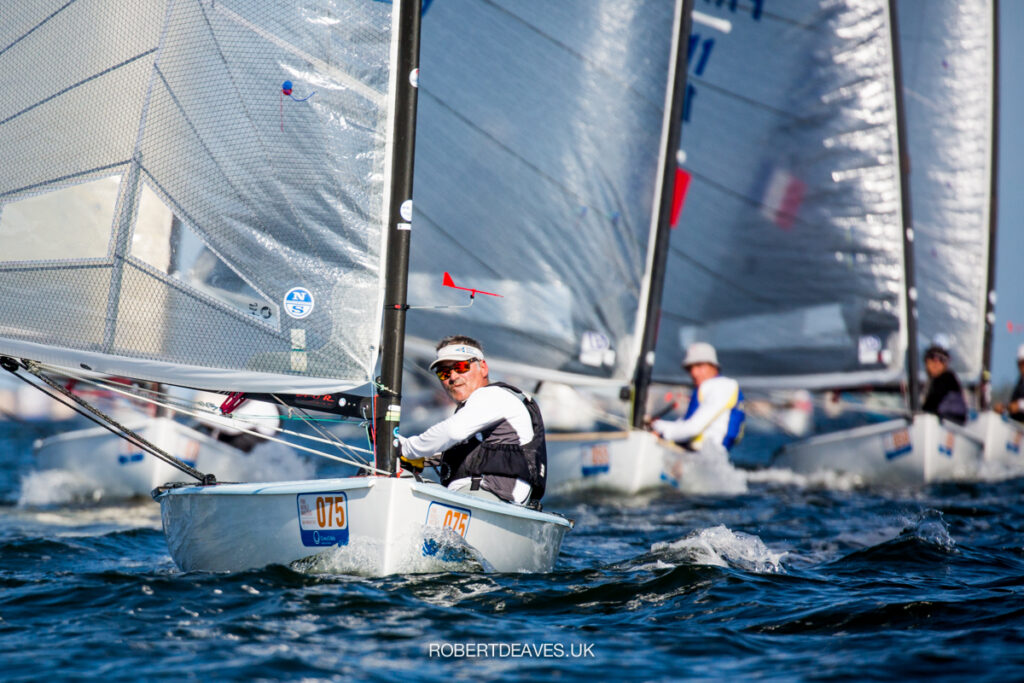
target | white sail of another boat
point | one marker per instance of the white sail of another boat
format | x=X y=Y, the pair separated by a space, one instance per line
x=552 y=120
x=271 y=132
x=787 y=253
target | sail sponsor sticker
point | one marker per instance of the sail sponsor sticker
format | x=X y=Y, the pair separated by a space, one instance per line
x=596 y=349
x=298 y=302
x=897 y=443
x=595 y=459
x=441 y=516
x=323 y=518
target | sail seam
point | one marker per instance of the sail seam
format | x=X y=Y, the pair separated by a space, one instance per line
x=71 y=87
x=55 y=181
x=37 y=26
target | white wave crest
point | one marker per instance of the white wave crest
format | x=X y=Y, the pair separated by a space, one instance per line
x=722 y=547
x=57 y=487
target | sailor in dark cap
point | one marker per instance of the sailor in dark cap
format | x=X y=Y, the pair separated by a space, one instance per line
x=943 y=395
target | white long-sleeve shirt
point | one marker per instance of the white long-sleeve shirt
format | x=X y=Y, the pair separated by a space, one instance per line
x=709 y=424
x=484 y=407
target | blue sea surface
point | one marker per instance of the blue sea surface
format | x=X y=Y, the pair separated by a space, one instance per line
x=784 y=583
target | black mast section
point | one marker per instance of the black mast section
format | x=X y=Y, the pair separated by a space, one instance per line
x=984 y=385
x=389 y=392
x=645 y=363
x=913 y=361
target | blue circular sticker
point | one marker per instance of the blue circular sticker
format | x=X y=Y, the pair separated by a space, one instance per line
x=298 y=302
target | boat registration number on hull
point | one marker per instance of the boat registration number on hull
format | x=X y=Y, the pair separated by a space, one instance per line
x=897 y=444
x=323 y=518
x=449 y=517
x=595 y=460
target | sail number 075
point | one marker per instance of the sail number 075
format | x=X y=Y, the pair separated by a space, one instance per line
x=330 y=512
x=455 y=520
x=449 y=517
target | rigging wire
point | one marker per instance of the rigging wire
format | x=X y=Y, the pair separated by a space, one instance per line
x=182 y=406
x=60 y=393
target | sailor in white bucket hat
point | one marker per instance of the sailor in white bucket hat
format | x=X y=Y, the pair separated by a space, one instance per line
x=714 y=418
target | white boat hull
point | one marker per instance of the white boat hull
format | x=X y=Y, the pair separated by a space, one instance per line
x=373 y=526
x=633 y=462
x=897 y=452
x=120 y=469
x=1004 y=444
x=623 y=463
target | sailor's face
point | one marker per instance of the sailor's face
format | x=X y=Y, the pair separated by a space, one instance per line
x=934 y=366
x=701 y=372
x=460 y=385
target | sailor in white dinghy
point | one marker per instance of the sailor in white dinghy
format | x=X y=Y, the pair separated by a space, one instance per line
x=493 y=446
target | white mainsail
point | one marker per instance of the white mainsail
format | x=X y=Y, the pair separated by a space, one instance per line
x=788 y=251
x=948 y=64
x=262 y=132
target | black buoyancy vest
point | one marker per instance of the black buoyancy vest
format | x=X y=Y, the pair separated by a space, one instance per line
x=498 y=454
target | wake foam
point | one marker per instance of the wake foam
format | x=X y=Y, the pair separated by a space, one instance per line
x=704 y=472
x=432 y=551
x=822 y=479
x=58 y=487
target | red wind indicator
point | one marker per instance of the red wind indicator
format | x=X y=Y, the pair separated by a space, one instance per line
x=449 y=282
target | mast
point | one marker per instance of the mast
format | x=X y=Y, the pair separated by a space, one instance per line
x=913 y=384
x=984 y=384
x=660 y=243
x=389 y=391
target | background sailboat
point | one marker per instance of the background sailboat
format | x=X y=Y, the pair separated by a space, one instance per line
x=947 y=58
x=789 y=255
x=551 y=119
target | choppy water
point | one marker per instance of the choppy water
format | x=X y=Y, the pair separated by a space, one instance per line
x=784 y=582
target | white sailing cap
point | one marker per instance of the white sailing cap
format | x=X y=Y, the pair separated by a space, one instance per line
x=1020 y=352
x=700 y=352
x=457 y=352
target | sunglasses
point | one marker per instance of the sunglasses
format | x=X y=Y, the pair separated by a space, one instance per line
x=459 y=366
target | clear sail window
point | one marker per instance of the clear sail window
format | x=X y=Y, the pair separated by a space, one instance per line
x=39 y=228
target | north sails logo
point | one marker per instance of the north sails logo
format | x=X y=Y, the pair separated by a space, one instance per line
x=298 y=302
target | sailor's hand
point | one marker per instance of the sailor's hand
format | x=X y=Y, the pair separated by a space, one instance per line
x=415 y=465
